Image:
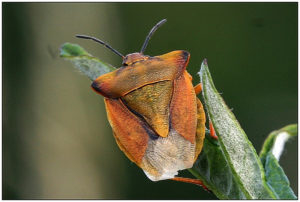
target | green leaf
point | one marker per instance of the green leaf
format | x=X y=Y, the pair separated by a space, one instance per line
x=87 y=64
x=244 y=168
x=211 y=168
x=270 y=154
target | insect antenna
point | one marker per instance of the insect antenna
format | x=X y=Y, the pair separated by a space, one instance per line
x=160 y=23
x=101 y=42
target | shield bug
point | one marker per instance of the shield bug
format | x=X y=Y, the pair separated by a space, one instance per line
x=152 y=107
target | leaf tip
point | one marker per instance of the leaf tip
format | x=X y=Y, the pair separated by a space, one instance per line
x=205 y=62
x=71 y=50
x=204 y=68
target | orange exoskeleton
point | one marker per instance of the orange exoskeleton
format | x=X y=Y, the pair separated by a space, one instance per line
x=152 y=107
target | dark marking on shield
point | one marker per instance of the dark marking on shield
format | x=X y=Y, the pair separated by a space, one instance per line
x=185 y=55
x=96 y=87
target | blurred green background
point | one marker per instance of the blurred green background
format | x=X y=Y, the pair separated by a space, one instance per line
x=57 y=143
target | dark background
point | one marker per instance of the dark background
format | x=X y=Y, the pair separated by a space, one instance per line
x=57 y=143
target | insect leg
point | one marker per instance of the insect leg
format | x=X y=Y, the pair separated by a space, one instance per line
x=191 y=181
x=212 y=131
x=198 y=88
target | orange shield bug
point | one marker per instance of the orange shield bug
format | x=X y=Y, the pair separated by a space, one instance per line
x=152 y=107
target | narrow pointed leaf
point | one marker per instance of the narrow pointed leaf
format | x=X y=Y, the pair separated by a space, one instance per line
x=270 y=154
x=87 y=64
x=238 y=151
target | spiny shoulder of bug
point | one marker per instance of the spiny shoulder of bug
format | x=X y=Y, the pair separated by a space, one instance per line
x=131 y=58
